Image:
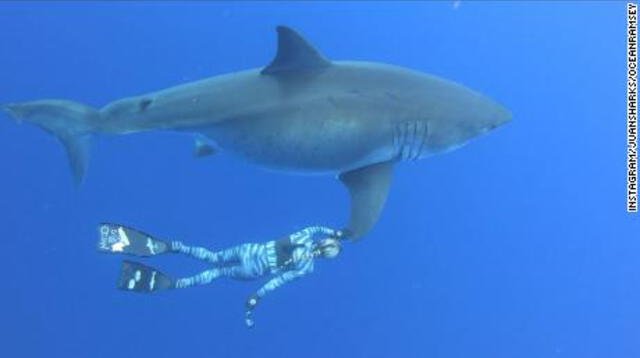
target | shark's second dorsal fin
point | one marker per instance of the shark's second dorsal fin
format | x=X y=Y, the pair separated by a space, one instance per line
x=294 y=54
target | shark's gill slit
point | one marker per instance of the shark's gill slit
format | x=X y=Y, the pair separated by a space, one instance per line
x=409 y=139
x=404 y=128
x=414 y=141
x=425 y=134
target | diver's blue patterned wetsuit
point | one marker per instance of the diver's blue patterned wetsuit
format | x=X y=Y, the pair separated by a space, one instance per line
x=287 y=258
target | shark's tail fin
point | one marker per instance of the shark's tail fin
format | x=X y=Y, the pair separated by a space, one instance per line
x=72 y=123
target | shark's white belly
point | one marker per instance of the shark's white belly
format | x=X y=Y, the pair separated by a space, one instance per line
x=317 y=146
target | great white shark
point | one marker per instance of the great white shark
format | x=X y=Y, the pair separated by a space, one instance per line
x=301 y=113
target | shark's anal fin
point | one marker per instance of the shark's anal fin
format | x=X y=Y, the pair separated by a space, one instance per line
x=294 y=54
x=368 y=187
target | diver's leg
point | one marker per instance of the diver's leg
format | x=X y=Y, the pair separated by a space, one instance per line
x=229 y=256
x=198 y=252
x=202 y=278
x=206 y=277
x=137 y=277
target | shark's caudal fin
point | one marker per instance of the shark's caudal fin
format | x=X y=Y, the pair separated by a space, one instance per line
x=72 y=123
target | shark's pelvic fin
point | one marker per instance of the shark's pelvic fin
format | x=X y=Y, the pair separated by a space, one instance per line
x=202 y=147
x=294 y=54
x=72 y=123
x=368 y=187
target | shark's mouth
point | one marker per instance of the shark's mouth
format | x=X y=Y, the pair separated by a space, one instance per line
x=409 y=139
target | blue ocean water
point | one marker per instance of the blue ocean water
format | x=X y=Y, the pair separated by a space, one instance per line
x=517 y=245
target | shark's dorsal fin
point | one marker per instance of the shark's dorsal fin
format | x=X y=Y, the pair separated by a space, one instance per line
x=294 y=54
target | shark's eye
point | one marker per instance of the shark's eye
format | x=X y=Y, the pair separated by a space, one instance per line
x=144 y=104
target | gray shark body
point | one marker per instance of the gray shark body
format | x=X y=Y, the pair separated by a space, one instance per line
x=302 y=113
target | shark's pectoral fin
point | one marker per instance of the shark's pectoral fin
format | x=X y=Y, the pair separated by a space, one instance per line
x=202 y=147
x=368 y=188
x=294 y=54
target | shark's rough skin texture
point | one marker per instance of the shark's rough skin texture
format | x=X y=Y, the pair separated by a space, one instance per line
x=302 y=113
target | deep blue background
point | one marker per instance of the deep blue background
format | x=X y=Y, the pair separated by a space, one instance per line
x=517 y=245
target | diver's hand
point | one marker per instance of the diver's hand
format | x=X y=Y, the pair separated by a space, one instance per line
x=248 y=319
x=251 y=304
x=342 y=234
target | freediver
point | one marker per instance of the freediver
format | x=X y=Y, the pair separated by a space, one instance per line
x=286 y=259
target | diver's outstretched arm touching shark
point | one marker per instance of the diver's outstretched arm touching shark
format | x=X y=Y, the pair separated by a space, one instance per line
x=288 y=258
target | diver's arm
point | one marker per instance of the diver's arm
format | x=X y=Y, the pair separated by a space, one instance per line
x=313 y=231
x=271 y=285
x=278 y=281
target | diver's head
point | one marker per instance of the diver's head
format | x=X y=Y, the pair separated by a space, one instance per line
x=327 y=248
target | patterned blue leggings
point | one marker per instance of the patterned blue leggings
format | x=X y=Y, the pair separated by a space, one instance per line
x=237 y=262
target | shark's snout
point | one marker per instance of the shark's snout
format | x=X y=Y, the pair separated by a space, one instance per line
x=500 y=117
x=504 y=116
